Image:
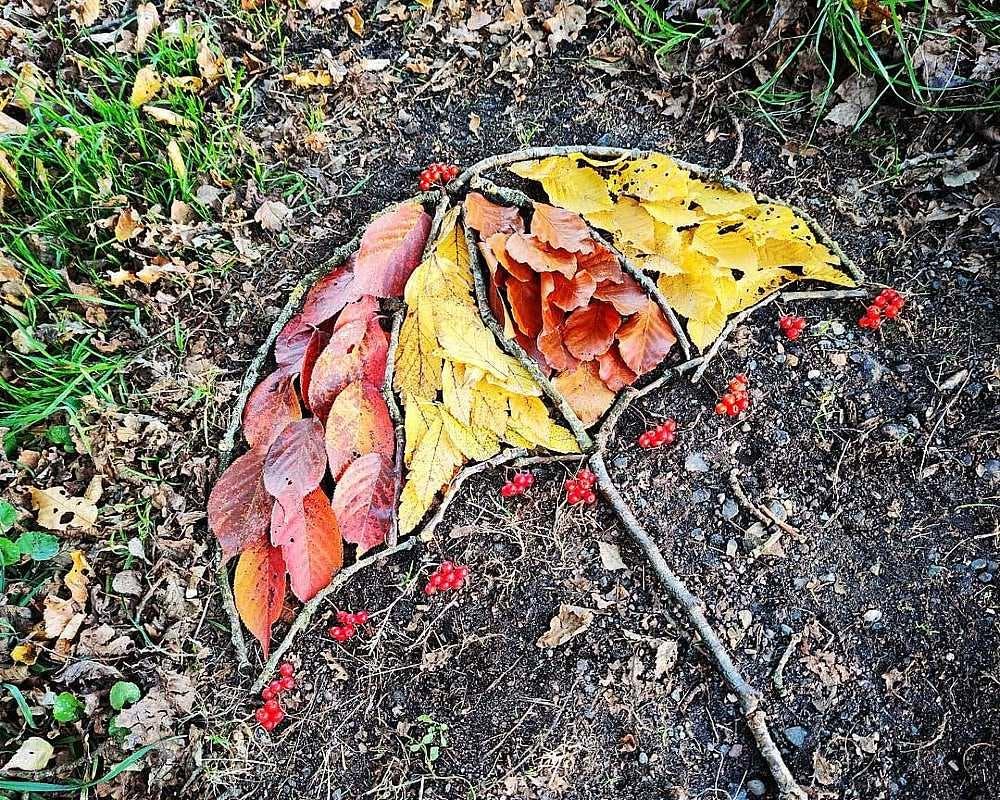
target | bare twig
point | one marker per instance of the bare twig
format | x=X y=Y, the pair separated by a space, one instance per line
x=762 y=513
x=730 y=327
x=825 y=294
x=734 y=162
x=778 y=679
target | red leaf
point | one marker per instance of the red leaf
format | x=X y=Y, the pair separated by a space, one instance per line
x=330 y=294
x=540 y=257
x=526 y=305
x=498 y=280
x=613 y=371
x=572 y=294
x=292 y=341
x=628 y=297
x=343 y=361
x=561 y=229
x=645 y=339
x=498 y=246
x=307 y=531
x=550 y=340
x=239 y=508
x=358 y=424
x=488 y=218
x=588 y=332
x=296 y=462
x=585 y=392
x=259 y=590
x=360 y=312
x=363 y=501
x=270 y=407
x=317 y=342
x=390 y=250
x=602 y=264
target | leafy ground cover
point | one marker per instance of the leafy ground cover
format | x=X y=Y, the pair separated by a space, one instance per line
x=878 y=448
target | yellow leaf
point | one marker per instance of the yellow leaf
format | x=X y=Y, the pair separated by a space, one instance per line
x=26 y=653
x=718 y=200
x=147 y=20
x=78 y=578
x=568 y=185
x=418 y=367
x=176 y=159
x=168 y=117
x=355 y=21
x=85 y=12
x=475 y=444
x=630 y=223
x=147 y=85
x=530 y=420
x=308 y=78
x=655 y=178
x=127 y=225
x=489 y=408
x=433 y=464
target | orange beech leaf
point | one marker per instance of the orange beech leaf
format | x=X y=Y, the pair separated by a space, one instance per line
x=550 y=340
x=628 y=297
x=572 y=294
x=645 y=338
x=541 y=258
x=390 y=250
x=259 y=590
x=585 y=392
x=487 y=218
x=270 y=407
x=292 y=341
x=306 y=529
x=363 y=501
x=589 y=332
x=330 y=294
x=345 y=360
x=239 y=507
x=317 y=342
x=561 y=229
x=358 y=424
x=602 y=264
x=296 y=462
x=526 y=305
x=613 y=371
x=498 y=247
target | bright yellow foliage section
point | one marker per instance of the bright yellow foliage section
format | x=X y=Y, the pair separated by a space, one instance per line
x=462 y=395
x=717 y=250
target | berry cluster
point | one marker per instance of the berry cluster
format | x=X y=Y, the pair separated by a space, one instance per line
x=736 y=399
x=792 y=326
x=519 y=484
x=347 y=625
x=887 y=305
x=270 y=715
x=581 y=488
x=437 y=174
x=660 y=435
x=447 y=577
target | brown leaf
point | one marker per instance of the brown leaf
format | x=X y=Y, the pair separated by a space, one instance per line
x=272 y=215
x=628 y=297
x=58 y=511
x=570 y=621
x=550 y=340
x=497 y=245
x=526 y=305
x=488 y=218
x=572 y=294
x=541 y=258
x=296 y=461
x=127 y=225
x=239 y=507
x=613 y=371
x=589 y=332
x=645 y=339
x=345 y=360
x=270 y=407
x=585 y=392
x=330 y=294
x=602 y=264
x=561 y=229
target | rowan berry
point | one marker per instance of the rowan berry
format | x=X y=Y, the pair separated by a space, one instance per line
x=437 y=174
x=509 y=490
x=287 y=683
x=523 y=480
x=792 y=326
x=872 y=319
x=360 y=617
x=447 y=577
x=286 y=670
x=586 y=478
x=267 y=693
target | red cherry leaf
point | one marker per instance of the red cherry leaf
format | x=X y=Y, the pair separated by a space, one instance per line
x=572 y=294
x=589 y=332
x=296 y=462
x=360 y=312
x=613 y=371
x=602 y=264
x=292 y=341
x=526 y=305
x=645 y=338
x=628 y=297
x=363 y=501
x=358 y=424
x=239 y=507
x=317 y=342
x=330 y=294
x=345 y=360
x=270 y=407
x=488 y=218
x=390 y=250
x=307 y=531
x=259 y=590
x=540 y=257
x=561 y=229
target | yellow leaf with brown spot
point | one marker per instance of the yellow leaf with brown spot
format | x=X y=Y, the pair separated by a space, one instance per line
x=568 y=184
x=147 y=85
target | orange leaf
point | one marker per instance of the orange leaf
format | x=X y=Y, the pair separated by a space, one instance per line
x=330 y=294
x=645 y=339
x=628 y=297
x=572 y=294
x=270 y=407
x=613 y=371
x=498 y=246
x=526 y=305
x=550 y=340
x=306 y=530
x=529 y=250
x=487 y=218
x=296 y=462
x=239 y=507
x=589 y=332
x=358 y=424
x=345 y=360
x=259 y=590
x=602 y=264
x=390 y=250
x=585 y=392
x=363 y=501
x=561 y=229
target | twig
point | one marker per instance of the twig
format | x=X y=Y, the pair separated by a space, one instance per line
x=825 y=294
x=734 y=162
x=396 y=416
x=778 y=679
x=531 y=461
x=750 y=700
x=762 y=513
x=306 y=613
x=503 y=457
x=730 y=327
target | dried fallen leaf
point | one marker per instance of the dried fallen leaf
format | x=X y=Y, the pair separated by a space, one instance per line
x=84 y=12
x=58 y=511
x=147 y=85
x=611 y=557
x=273 y=215
x=33 y=754
x=147 y=21
x=127 y=225
x=355 y=21
x=570 y=621
x=168 y=117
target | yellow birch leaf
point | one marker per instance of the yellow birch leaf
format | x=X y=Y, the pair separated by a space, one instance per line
x=629 y=222
x=168 y=117
x=147 y=85
x=656 y=178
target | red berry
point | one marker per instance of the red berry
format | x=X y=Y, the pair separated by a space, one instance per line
x=287 y=683
x=267 y=694
x=275 y=686
x=262 y=716
x=286 y=669
x=508 y=490
x=271 y=706
x=360 y=618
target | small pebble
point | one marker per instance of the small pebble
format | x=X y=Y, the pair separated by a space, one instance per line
x=756 y=787
x=872 y=616
x=695 y=462
x=796 y=736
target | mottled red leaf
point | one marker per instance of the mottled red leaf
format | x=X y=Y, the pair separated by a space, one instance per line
x=645 y=338
x=360 y=312
x=270 y=407
x=572 y=294
x=585 y=392
x=487 y=218
x=296 y=462
x=627 y=297
x=343 y=362
x=588 y=332
x=613 y=371
x=358 y=424
x=390 y=250
x=498 y=247
x=330 y=294
x=292 y=341
x=561 y=229
x=306 y=529
x=526 y=305
x=550 y=340
x=540 y=257
x=239 y=507
x=602 y=264
x=259 y=589
x=497 y=284
x=317 y=342
x=363 y=501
